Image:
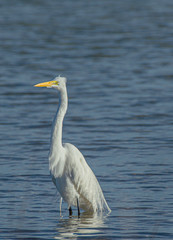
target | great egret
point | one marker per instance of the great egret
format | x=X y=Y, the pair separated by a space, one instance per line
x=70 y=173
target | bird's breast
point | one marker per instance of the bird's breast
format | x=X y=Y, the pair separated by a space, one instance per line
x=56 y=166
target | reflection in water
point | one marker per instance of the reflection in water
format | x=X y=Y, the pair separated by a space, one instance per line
x=86 y=225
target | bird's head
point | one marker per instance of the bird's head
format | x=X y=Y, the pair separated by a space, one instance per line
x=58 y=83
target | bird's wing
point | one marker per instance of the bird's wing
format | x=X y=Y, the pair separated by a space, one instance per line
x=84 y=180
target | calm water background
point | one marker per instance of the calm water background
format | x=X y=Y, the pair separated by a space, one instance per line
x=118 y=58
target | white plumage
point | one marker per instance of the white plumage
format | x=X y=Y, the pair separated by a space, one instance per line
x=73 y=178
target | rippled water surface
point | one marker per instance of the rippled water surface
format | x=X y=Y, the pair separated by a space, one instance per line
x=117 y=56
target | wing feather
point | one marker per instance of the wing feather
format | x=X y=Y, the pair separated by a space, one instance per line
x=84 y=181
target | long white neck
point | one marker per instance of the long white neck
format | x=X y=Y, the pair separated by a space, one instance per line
x=56 y=138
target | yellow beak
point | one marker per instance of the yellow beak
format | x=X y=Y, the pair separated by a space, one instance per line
x=46 y=84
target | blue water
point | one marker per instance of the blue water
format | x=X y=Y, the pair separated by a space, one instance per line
x=117 y=57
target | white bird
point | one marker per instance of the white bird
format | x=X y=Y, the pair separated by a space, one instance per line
x=73 y=178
